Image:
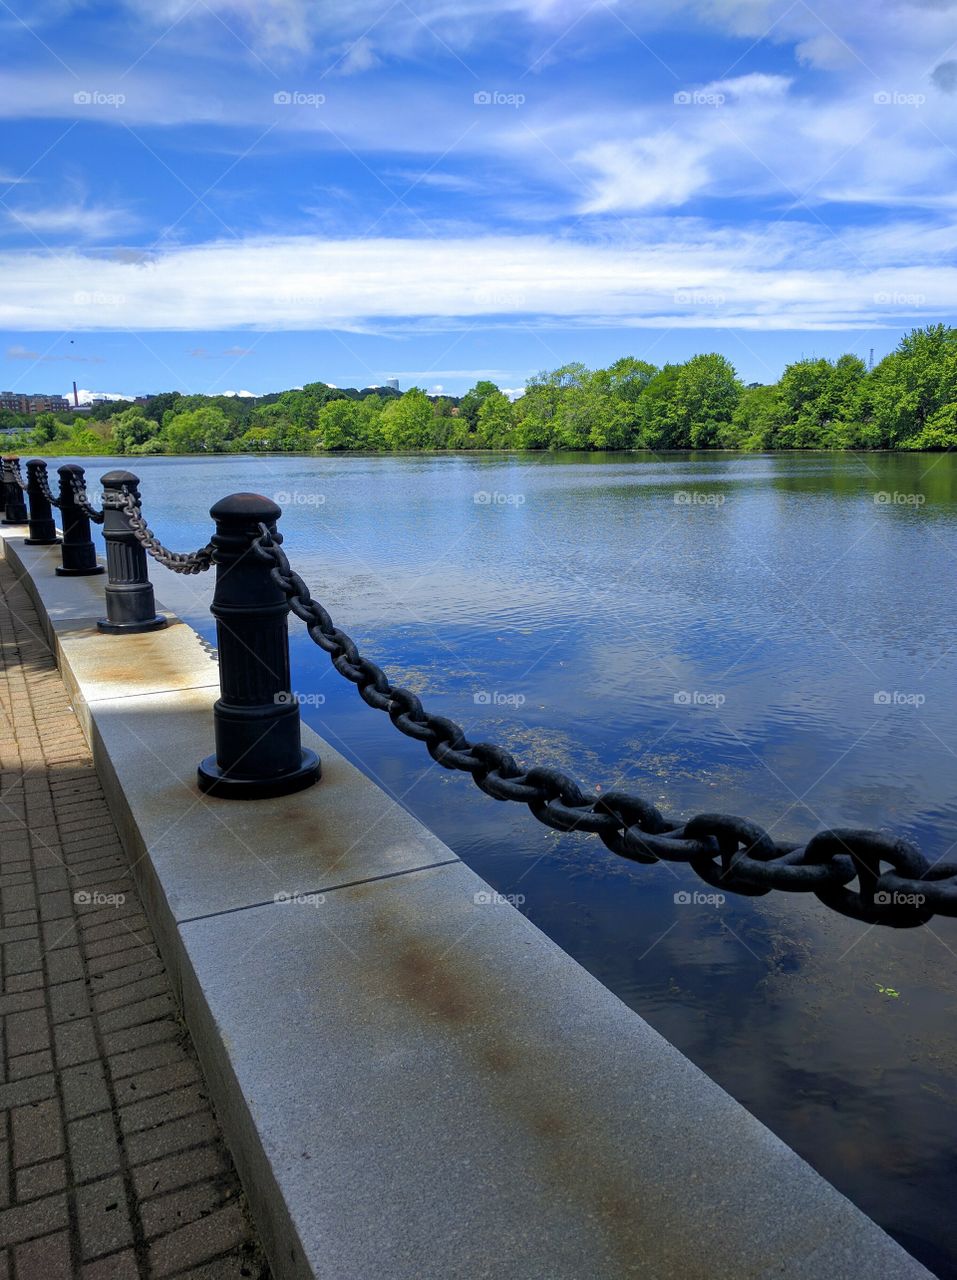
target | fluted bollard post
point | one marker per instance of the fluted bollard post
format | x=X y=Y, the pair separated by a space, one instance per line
x=130 y=606
x=14 y=510
x=258 y=749
x=78 y=552
x=42 y=523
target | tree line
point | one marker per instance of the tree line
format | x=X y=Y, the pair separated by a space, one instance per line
x=907 y=401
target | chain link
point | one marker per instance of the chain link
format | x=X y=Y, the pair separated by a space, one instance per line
x=43 y=480
x=14 y=465
x=179 y=561
x=727 y=852
x=82 y=502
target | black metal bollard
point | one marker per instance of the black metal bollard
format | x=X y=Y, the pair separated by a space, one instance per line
x=42 y=524
x=130 y=606
x=258 y=749
x=14 y=510
x=78 y=552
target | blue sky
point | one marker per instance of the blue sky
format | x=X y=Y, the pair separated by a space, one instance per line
x=216 y=195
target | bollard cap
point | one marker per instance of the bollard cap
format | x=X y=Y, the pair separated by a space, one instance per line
x=246 y=508
x=70 y=467
x=117 y=479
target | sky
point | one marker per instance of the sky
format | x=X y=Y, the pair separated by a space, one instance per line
x=247 y=195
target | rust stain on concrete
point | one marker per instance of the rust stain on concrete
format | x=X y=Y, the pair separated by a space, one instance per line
x=570 y=1145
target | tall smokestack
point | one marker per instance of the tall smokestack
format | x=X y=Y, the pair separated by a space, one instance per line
x=76 y=398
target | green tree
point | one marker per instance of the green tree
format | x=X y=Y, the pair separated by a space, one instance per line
x=196 y=431
x=757 y=417
x=370 y=423
x=913 y=384
x=656 y=410
x=472 y=401
x=706 y=393
x=938 y=432
x=132 y=428
x=338 y=424
x=496 y=422
x=407 y=422
x=47 y=428
x=626 y=379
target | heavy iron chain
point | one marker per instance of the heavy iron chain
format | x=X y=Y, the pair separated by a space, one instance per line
x=725 y=851
x=179 y=561
x=82 y=502
x=16 y=473
x=43 y=480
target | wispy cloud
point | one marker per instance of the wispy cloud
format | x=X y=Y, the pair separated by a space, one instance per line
x=18 y=352
x=674 y=272
x=73 y=222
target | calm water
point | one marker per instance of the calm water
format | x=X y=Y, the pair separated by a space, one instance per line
x=711 y=631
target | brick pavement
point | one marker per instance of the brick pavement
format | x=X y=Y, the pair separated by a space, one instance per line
x=112 y=1164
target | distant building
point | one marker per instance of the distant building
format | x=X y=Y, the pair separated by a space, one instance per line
x=17 y=402
x=393 y=383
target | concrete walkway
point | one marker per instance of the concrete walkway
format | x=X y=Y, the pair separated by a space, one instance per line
x=111 y=1160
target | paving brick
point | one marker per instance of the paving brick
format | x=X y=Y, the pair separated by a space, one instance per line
x=181 y=1170
x=94 y=1146
x=103 y=1218
x=84 y=1090
x=135 y=1037
x=30 y=1064
x=45 y=1259
x=64 y=966
x=163 y=1079
x=118 y=1266
x=90 y=1024
x=27 y=1031
x=31 y=1089
x=75 y=1042
x=37 y=1132
x=165 y=1053
x=68 y=1001
x=194 y=1244
x=170 y=1212
x=40 y=1180
x=121 y=996
x=17 y=1001
x=116 y=977
x=176 y=1136
x=39 y=1217
x=162 y=1109
x=21 y=957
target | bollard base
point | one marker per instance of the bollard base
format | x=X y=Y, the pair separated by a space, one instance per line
x=78 y=573
x=41 y=542
x=131 y=628
x=214 y=782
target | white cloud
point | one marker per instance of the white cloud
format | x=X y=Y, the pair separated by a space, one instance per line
x=242 y=395
x=663 y=272
x=662 y=171
x=20 y=352
x=77 y=221
x=361 y=56
x=87 y=397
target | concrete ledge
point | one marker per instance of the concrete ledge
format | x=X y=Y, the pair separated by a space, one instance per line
x=414 y=1081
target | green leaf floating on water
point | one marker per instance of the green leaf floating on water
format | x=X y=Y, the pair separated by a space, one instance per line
x=887 y=991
